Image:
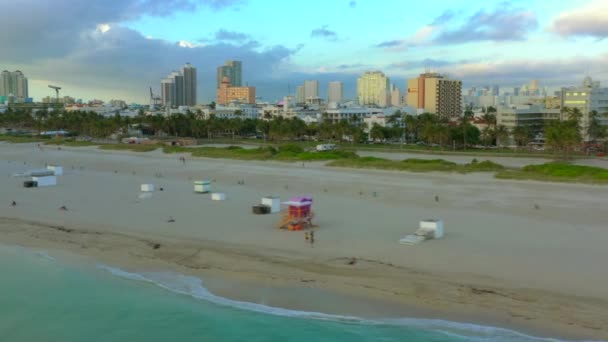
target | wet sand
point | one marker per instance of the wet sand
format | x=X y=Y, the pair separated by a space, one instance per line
x=502 y=262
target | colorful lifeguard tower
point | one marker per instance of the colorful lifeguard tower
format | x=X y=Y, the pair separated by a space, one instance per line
x=299 y=214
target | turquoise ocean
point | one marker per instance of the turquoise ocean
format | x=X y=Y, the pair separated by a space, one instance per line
x=45 y=298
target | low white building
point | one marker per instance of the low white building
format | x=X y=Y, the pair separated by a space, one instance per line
x=375 y=119
x=233 y=111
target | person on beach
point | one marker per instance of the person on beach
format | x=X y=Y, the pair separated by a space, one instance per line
x=312 y=237
x=63 y=208
x=171 y=219
x=436 y=198
x=13 y=204
x=307 y=236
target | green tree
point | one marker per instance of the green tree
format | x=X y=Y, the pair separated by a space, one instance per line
x=502 y=134
x=595 y=130
x=563 y=136
x=522 y=135
x=377 y=133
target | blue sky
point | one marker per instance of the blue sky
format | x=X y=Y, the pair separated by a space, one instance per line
x=118 y=48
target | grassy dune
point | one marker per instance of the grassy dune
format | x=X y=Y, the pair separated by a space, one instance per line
x=558 y=172
x=417 y=165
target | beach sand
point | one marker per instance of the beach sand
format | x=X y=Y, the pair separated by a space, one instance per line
x=501 y=263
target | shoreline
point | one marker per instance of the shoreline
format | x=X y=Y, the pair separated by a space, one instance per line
x=228 y=271
x=502 y=262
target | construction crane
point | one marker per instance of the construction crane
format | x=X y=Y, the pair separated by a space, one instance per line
x=56 y=91
x=154 y=100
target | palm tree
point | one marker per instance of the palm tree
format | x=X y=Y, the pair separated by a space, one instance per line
x=502 y=134
x=468 y=114
x=562 y=136
x=522 y=135
x=377 y=133
x=411 y=126
x=595 y=130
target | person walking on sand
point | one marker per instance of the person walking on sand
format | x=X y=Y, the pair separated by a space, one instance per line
x=13 y=204
x=312 y=237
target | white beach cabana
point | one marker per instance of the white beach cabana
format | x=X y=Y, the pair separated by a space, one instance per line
x=273 y=202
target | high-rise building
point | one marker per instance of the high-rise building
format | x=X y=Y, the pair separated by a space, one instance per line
x=189 y=73
x=373 y=89
x=15 y=84
x=516 y=91
x=335 y=92
x=587 y=97
x=395 y=96
x=433 y=93
x=311 y=90
x=179 y=88
x=233 y=70
x=167 y=91
x=226 y=93
x=300 y=98
x=534 y=87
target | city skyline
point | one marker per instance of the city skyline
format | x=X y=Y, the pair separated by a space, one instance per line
x=105 y=55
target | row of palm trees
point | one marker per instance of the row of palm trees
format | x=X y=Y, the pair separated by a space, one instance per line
x=428 y=128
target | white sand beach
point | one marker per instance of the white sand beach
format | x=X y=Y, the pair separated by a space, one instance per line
x=503 y=262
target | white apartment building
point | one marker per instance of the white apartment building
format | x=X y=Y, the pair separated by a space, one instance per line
x=373 y=89
x=335 y=92
x=587 y=97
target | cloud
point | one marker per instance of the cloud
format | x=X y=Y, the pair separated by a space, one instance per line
x=38 y=28
x=424 y=63
x=446 y=16
x=324 y=32
x=351 y=66
x=390 y=43
x=352 y=4
x=504 y=23
x=557 y=72
x=94 y=55
x=590 y=20
x=231 y=35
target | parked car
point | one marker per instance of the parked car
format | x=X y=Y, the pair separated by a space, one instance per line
x=326 y=147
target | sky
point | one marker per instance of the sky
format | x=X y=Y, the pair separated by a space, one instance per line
x=117 y=49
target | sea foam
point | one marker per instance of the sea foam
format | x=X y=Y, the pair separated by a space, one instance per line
x=192 y=286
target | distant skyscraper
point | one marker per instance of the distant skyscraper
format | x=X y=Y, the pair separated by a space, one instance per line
x=189 y=73
x=179 y=88
x=15 y=84
x=311 y=90
x=167 y=90
x=395 y=96
x=373 y=89
x=516 y=91
x=433 y=93
x=534 y=86
x=335 y=92
x=233 y=70
x=300 y=98
x=226 y=93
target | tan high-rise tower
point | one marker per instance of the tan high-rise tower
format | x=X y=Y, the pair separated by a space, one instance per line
x=433 y=93
x=373 y=89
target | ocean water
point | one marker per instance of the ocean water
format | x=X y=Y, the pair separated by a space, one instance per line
x=47 y=299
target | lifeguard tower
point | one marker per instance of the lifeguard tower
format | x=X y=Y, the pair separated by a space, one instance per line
x=299 y=214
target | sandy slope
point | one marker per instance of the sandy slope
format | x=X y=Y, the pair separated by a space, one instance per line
x=502 y=262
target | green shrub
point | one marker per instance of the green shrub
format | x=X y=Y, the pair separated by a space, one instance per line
x=559 y=172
